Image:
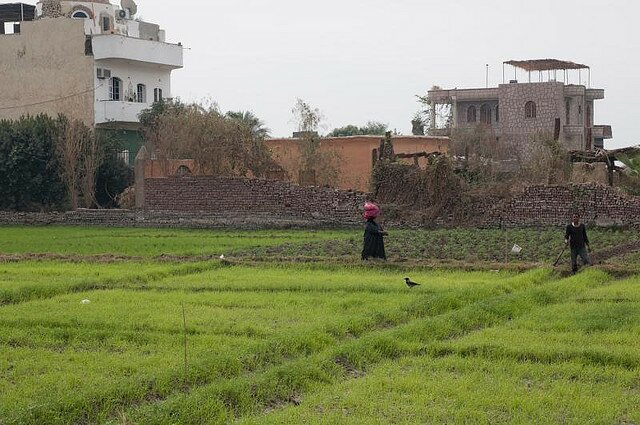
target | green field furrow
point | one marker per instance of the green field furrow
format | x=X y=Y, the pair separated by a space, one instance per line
x=285 y=324
x=363 y=352
x=92 y=329
x=451 y=389
x=147 y=242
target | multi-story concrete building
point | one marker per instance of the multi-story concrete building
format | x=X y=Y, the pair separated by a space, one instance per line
x=516 y=111
x=88 y=60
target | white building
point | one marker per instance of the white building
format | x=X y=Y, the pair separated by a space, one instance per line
x=89 y=60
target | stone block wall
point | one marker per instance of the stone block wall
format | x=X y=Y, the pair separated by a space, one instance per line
x=242 y=197
x=549 y=100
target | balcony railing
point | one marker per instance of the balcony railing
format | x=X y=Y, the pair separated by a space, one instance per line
x=602 y=132
x=113 y=46
x=573 y=130
x=118 y=112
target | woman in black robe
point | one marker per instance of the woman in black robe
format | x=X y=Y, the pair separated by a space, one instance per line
x=373 y=234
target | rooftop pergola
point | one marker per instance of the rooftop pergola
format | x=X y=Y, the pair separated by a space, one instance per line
x=545 y=65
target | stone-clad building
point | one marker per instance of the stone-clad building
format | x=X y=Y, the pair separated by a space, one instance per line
x=516 y=111
x=89 y=60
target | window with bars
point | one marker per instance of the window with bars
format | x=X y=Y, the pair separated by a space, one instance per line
x=157 y=95
x=115 y=89
x=471 y=114
x=141 y=93
x=485 y=114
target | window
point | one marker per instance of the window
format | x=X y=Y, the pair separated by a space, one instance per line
x=80 y=14
x=115 y=89
x=106 y=24
x=157 y=95
x=588 y=116
x=530 y=110
x=497 y=113
x=485 y=114
x=471 y=114
x=88 y=46
x=141 y=93
x=568 y=111
x=10 y=28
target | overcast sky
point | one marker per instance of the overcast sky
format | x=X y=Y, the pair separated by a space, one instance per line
x=361 y=60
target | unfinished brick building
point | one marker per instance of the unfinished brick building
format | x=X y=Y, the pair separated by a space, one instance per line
x=516 y=111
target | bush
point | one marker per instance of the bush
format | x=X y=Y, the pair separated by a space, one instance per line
x=29 y=177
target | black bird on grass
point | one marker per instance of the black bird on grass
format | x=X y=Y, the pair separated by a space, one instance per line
x=409 y=283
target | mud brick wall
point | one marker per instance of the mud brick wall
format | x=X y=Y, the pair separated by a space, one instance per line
x=241 y=197
x=553 y=206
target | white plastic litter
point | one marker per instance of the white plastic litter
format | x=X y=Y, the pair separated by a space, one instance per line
x=222 y=257
x=516 y=249
x=85 y=302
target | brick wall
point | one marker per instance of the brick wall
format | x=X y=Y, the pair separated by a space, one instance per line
x=241 y=197
x=553 y=206
x=234 y=203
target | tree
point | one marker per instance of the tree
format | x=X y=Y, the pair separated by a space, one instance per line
x=29 y=178
x=113 y=175
x=316 y=166
x=631 y=162
x=253 y=123
x=80 y=154
x=221 y=144
x=418 y=124
x=373 y=128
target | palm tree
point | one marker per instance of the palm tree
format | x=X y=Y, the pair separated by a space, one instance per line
x=248 y=119
x=631 y=162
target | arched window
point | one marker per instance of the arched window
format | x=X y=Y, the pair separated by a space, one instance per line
x=497 y=113
x=115 y=89
x=530 y=110
x=80 y=14
x=485 y=114
x=471 y=114
x=141 y=93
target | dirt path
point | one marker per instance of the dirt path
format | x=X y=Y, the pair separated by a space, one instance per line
x=616 y=251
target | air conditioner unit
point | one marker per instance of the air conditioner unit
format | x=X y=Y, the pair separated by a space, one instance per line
x=103 y=73
x=121 y=14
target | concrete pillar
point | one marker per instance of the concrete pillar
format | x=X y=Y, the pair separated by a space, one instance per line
x=454 y=112
x=432 y=112
x=139 y=169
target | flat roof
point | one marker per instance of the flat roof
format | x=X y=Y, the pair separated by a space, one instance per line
x=545 y=65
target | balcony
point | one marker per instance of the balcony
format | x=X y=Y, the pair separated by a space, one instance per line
x=602 y=132
x=113 y=46
x=574 y=91
x=573 y=130
x=462 y=95
x=595 y=94
x=118 y=112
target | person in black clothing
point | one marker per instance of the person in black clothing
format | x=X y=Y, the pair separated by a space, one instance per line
x=373 y=234
x=576 y=238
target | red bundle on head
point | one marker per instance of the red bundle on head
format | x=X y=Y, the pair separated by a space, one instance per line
x=371 y=210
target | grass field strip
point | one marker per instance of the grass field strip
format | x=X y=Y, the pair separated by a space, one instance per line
x=25 y=281
x=441 y=386
x=307 y=341
x=597 y=327
x=374 y=345
x=367 y=351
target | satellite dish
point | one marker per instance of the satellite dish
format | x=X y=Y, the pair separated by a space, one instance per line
x=131 y=5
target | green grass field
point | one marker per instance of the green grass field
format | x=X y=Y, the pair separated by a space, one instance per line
x=284 y=341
